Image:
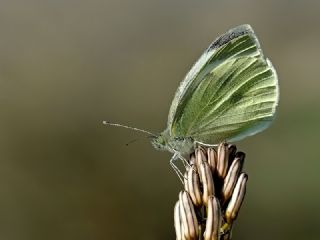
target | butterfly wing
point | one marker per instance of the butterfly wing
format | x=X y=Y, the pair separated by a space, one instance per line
x=231 y=92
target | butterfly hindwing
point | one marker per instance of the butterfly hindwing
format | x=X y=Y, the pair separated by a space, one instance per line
x=231 y=91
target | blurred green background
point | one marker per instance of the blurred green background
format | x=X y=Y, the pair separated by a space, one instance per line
x=67 y=65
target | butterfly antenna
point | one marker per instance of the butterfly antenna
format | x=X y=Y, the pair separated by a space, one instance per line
x=128 y=127
x=132 y=141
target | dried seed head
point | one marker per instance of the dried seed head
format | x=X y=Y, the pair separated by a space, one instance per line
x=223 y=159
x=214 y=220
x=198 y=213
x=207 y=182
x=236 y=198
x=193 y=186
x=212 y=159
x=231 y=178
x=188 y=217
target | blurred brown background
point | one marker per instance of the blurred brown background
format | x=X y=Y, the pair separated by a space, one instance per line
x=67 y=65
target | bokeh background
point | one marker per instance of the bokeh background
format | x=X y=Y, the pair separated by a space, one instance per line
x=67 y=65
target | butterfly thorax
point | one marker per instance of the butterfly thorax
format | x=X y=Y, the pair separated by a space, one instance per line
x=166 y=142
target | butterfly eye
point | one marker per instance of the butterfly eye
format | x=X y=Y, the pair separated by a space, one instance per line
x=158 y=142
x=180 y=139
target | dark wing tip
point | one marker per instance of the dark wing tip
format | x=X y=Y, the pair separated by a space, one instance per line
x=230 y=35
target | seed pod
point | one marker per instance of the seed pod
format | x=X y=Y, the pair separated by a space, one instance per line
x=236 y=198
x=207 y=182
x=193 y=186
x=204 y=151
x=214 y=220
x=192 y=160
x=188 y=217
x=223 y=158
x=185 y=180
x=212 y=159
x=231 y=178
x=177 y=222
x=200 y=157
x=240 y=155
x=232 y=149
x=232 y=152
x=227 y=235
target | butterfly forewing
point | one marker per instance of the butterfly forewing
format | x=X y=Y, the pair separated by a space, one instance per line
x=239 y=41
x=230 y=93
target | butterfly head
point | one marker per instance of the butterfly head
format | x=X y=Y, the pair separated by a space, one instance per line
x=183 y=145
x=160 y=142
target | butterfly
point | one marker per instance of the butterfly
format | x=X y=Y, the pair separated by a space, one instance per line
x=230 y=93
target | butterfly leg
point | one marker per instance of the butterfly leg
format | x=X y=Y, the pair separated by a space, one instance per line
x=197 y=143
x=184 y=161
x=175 y=168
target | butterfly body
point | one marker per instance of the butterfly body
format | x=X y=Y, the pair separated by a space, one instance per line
x=230 y=93
x=173 y=144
